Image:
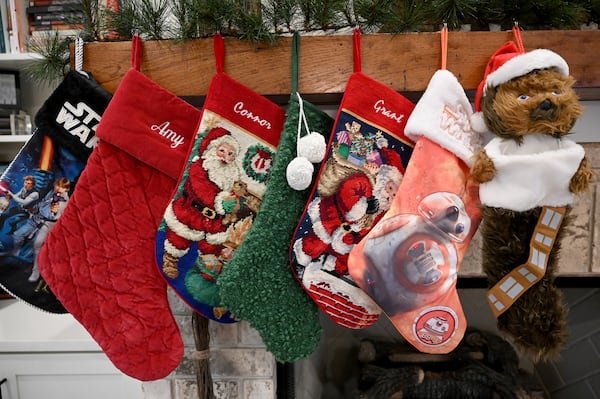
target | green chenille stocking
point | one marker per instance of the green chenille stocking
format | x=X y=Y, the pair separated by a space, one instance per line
x=257 y=284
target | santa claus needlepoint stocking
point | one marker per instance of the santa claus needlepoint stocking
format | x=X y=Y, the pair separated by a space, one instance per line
x=408 y=263
x=365 y=160
x=220 y=190
x=36 y=186
x=257 y=284
x=99 y=257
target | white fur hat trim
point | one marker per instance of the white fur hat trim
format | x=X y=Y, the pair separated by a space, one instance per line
x=443 y=115
x=523 y=64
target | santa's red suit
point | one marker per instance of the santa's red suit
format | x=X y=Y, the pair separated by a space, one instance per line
x=196 y=215
x=337 y=224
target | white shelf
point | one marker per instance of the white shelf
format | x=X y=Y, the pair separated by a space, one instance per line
x=17 y=61
x=17 y=138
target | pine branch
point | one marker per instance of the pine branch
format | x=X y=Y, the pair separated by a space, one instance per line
x=54 y=63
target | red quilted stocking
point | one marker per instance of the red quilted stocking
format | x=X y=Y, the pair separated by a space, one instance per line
x=220 y=190
x=99 y=258
x=366 y=155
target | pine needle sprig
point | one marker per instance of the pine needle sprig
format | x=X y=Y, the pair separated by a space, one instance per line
x=54 y=64
x=151 y=18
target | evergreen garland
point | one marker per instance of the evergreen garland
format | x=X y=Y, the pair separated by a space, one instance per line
x=264 y=21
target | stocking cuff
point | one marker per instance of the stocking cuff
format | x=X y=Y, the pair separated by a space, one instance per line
x=72 y=112
x=535 y=173
x=160 y=126
x=443 y=116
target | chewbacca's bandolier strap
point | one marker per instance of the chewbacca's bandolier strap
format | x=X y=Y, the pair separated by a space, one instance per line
x=506 y=291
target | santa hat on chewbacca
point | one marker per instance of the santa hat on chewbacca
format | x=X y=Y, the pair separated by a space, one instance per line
x=510 y=62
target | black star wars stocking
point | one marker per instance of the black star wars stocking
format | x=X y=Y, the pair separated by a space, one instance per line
x=36 y=186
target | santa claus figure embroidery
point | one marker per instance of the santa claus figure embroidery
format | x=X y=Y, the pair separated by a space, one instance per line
x=199 y=214
x=340 y=220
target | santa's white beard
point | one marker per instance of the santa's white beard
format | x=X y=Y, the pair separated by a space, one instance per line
x=222 y=174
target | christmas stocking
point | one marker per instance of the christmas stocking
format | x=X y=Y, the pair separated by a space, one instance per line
x=366 y=155
x=99 y=258
x=408 y=263
x=35 y=187
x=220 y=190
x=257 y=284
x=530 y=174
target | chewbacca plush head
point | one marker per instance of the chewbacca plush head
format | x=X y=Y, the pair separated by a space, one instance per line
x=525 y=93
x=541 y=101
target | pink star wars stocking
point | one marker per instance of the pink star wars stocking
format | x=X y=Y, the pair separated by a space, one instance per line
x=220 y=190
x=365 y=160
x=37 y=184
x=408 y=263
x=99 y=257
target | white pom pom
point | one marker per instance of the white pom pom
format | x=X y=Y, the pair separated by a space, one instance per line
x=299 y=173
x=312 y=147
x=478 y=123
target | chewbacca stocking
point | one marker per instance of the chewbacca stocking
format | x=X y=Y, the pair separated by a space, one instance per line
x=37 y=184
x=257 y=284
x=366 y=155
x=220 y=190
x=529 y=174
x=99 y=257
x=408 y=263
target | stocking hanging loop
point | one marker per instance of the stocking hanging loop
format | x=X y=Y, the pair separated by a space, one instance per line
x=356 y=43
x=79 y=56
x=517 y=33
x=444 y=43
x=295 y=53
x=219 y=49
x=136 y=52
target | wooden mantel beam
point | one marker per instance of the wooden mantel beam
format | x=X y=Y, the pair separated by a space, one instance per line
x=405 y=62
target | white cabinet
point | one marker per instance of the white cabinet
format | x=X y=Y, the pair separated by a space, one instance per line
x=51 y=356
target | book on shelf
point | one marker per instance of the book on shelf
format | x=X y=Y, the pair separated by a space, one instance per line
x=55 y=15
x=57 y=8
x=64 y=17
x=4 y=45
x=5 y=125
x=14 y=25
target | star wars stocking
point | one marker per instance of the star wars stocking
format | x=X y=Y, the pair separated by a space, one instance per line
x=99 y=257
x=365 y=160
x=408 y=263
x=36 y=186
x=257 y=284
x=220 y=190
